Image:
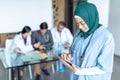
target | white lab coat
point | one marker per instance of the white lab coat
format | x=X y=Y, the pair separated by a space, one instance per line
x=18 y=42
x=63 y=37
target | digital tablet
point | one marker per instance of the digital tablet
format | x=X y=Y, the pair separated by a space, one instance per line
x=70 y=63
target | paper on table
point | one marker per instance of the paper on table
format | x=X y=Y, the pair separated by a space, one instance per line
x=29 y=53
x=31 y=58
x=34 y=56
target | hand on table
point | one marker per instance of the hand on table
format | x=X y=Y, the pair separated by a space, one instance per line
x=16 y=49
x=42 y=47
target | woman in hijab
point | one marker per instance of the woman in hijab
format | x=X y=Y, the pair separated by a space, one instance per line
x=92 y=49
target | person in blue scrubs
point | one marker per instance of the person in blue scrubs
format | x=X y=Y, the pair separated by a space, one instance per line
x=92 y=50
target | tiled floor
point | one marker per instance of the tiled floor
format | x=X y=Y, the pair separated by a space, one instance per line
x=60 y=76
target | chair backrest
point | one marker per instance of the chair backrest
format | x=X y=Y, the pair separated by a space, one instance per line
x=8 y=44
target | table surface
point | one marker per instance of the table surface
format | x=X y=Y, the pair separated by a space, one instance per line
x=10 y=59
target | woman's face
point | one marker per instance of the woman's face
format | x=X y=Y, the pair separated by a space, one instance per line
x=29 y=33
x=81 y=24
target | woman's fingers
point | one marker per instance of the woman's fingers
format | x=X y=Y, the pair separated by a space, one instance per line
x=69 y=57
x=66 y=56
x=72 y=67
x=63 y=56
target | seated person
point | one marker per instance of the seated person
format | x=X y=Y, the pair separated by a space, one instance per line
x=44 y=38
x=22 y=42
x=62 y=35
x=62 y=38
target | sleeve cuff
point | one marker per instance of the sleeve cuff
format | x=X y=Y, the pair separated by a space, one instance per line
x=89 y=71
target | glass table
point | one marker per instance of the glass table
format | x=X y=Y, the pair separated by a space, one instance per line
x=13 y=61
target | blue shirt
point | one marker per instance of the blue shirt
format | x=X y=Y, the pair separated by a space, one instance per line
x=99 y=53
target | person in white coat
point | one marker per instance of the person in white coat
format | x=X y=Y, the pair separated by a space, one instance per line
x=61 y=34
x=62 y=39
x=22 y=42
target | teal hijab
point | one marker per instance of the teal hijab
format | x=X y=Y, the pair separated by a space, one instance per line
x=88 y=12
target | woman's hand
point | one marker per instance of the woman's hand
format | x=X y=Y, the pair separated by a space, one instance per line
x=16 y=49
x=71 y=66
x=66 y=56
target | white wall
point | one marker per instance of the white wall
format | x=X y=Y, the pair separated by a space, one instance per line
x=114 y=23
x=15 y=14
x=103 y=9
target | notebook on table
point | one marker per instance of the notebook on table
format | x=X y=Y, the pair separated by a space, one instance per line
x=34 y=56
x=31 y=58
